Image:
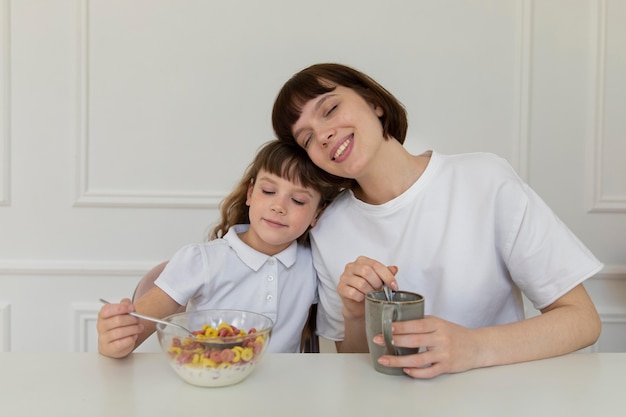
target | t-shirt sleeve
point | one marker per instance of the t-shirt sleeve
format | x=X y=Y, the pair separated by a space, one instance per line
x=546 y=260
x=330 y=323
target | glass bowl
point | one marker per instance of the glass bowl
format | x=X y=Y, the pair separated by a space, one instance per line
x=225 y=348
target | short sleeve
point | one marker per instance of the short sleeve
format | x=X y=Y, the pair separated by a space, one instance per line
x=330 y=323
x=546 y=259
x=183 y=275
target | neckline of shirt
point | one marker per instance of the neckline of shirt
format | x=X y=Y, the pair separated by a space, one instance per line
x=417 y=187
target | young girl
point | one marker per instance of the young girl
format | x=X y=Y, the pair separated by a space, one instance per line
x=257 y=258
x=462 y=230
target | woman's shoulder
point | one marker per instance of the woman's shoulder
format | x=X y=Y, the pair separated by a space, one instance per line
x=486 y=163
x=471 y=158
x=304 y=255
x=344 y=199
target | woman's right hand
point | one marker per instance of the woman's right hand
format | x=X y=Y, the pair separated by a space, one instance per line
x=361 y=277
x=117 y=330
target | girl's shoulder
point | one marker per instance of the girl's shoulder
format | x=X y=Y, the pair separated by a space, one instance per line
x=200 y=252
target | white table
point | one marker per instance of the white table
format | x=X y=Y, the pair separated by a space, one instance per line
x=300 y=385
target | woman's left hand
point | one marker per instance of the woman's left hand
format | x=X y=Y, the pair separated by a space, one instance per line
x=568 y=324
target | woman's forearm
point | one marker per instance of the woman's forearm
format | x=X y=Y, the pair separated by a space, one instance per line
x=355 y=340
x=569 y=324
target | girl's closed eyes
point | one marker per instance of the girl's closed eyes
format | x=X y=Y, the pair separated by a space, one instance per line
x=297 y=201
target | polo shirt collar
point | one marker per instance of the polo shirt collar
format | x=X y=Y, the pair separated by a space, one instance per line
x=253 y=258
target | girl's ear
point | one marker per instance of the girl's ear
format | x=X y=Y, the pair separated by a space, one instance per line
x=249 y=194
x=318 y=213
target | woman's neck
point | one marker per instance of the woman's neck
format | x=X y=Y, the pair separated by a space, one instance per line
x=394 y=171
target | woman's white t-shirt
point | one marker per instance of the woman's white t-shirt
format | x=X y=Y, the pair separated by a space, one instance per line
x=228 y=274
x=468 y=236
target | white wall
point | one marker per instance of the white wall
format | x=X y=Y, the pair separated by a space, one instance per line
x=124 y=122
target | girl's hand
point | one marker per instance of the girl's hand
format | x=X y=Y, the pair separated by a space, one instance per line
x=117 y=330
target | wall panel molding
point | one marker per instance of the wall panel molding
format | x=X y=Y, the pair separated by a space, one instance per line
x=608 y=288
x=74 y=268
x=5 y=100
x=118 y=268
x=523 y=78
x=84 y=318
x=598 y=200
x=86 y=196
x=5 y=327
x=611 y=272
x=611 y=321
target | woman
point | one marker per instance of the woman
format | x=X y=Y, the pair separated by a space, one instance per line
x=462 y=230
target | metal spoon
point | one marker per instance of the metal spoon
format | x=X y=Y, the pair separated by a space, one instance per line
x=220 y=344
x=154 y=319
x=388 y=292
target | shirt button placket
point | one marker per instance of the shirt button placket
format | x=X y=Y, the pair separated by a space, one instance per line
x=272 y=283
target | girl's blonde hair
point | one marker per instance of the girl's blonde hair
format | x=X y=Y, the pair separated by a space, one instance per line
x=288 y=161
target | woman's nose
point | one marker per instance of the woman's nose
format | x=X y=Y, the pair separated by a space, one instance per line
x=326 y=135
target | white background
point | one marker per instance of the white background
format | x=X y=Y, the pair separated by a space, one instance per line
x=124 y=122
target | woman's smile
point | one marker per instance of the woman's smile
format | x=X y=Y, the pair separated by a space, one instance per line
x=340 y=148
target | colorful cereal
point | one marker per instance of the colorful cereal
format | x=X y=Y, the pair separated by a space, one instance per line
x=192 y=352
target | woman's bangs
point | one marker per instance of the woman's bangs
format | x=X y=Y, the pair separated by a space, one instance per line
x=295 y=94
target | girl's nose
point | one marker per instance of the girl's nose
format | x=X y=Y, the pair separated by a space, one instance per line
x=278 y=208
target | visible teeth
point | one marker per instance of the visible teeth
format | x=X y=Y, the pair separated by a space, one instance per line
x=341 y=149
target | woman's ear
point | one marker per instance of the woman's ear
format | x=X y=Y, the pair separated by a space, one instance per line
x=379 y=111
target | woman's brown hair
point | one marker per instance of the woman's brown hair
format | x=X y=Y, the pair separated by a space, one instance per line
x=322 y=78
x=288 y=161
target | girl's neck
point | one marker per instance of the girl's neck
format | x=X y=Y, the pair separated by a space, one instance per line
x=394 y=172
x=250 y=238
